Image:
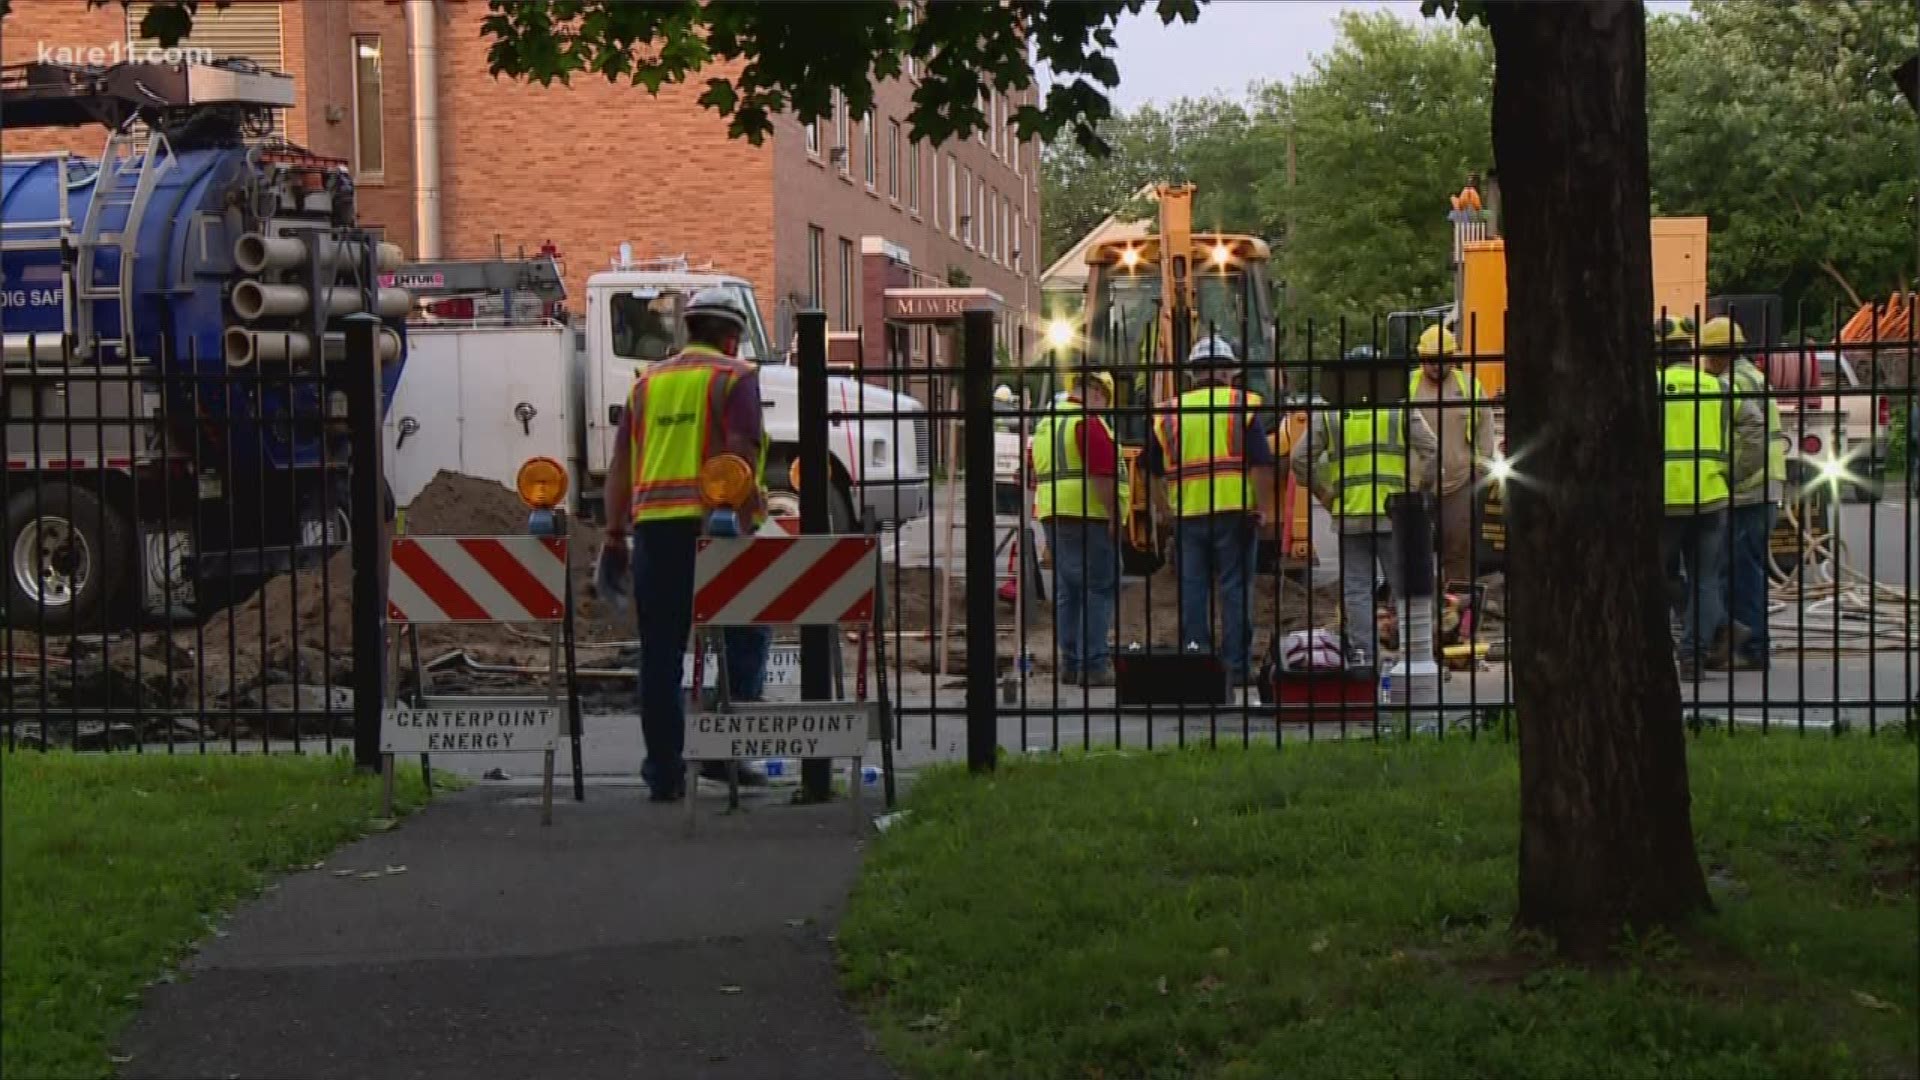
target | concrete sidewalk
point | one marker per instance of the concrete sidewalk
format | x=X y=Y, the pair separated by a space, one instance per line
x=609 y=945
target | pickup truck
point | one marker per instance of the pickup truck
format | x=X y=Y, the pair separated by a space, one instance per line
x=1839 y=418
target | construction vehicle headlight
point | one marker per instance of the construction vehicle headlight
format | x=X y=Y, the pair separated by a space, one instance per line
x=1832 y=469
x=1060 y=331
x=1129 y=258
x=542 y=483
x=726 y=480
x=1221 y=253
x=1500 y=469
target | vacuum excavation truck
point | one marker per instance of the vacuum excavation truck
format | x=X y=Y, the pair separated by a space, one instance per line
x=166 y=310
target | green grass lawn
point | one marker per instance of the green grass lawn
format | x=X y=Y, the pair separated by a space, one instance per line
x=113 y=864
x=1342 y=910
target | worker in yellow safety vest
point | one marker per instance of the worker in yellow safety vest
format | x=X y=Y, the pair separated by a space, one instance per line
x=1213 y=470
x=1080 y=500
x=697 y=405
x=1759 y=476
x=1458 y=410
x=1696 y=437
x=1354 y=459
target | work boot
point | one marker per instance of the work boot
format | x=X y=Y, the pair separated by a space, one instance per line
x=1737 y=662
x=1723 y=647
x=1069 y=678
x=1102 y=677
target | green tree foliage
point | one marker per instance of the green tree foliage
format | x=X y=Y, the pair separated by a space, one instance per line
x=1783 y=124
x=1385 y=127
x=1212 y=143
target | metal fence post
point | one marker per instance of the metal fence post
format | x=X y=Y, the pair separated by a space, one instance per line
x=816 y=642
x=368 y=540
x=983 y=647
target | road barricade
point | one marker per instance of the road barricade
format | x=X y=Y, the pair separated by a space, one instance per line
x=784 y=581
x=440 y=580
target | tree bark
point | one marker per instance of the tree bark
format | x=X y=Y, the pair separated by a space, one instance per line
x=1606 y=836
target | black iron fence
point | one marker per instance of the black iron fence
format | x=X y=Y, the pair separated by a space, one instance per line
x=175 y=551
x=1310 y=544
x=1305 y=536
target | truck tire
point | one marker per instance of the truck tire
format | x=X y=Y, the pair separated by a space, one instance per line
x=783 y=500
x=69 y=555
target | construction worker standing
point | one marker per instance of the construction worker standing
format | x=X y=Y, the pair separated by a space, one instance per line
x=1213 y=467
x=699 y=404
x=1353 y=459
x=1465 y=434
x=1078 y=500
x=1696 y=433
x=1760 y=444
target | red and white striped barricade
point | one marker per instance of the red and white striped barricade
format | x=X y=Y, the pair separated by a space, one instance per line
x=782 y=581
x=443 y=580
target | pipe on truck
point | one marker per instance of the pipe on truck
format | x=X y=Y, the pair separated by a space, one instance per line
x=255 y=253
x=254 y=300
x=245 y=347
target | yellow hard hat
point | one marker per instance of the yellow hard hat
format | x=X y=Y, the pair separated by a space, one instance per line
x=1437 y=340
x=1720 y=332
x=1105 y=380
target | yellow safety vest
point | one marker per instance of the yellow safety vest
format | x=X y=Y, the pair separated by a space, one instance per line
x=1748 y=379
x=676 y=408
x=1203 y=442
x=1695 y=426
x=1372 y=463
x=1060 y=472
x=1471 y=391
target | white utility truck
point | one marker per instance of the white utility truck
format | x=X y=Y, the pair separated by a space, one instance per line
x=498 y=373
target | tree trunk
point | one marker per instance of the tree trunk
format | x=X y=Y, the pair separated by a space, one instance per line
x=1606 y=836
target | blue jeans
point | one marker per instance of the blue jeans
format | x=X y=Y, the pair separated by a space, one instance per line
x=1366 y=559
x=1697 y=543
x=1747 y=593
x=1085 y=578
x=663 y=600
x=1210 y=548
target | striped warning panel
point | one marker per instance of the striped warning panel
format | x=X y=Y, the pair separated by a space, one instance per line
x=785 y=580
x=459 y=579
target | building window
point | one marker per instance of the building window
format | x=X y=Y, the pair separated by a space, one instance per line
x=953 y=198
x=893 y=160
x=913 y=177
x=1019 y=253
x=816 y=266
x=813 y=138
x=979 y=208
x=1009 y=240
x=913 y=66
x=369 y=149
x=846 y=284
x=844 y=146
x=969 y=219
x=871 y=139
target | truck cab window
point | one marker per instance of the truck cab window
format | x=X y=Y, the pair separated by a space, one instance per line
x=644 y=328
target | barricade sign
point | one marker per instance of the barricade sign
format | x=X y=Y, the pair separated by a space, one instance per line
x=780 y=581
x=480 y=579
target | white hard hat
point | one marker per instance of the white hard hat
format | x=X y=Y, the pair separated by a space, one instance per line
x=1212 y=349
x=715 y=302
x=1003 y=392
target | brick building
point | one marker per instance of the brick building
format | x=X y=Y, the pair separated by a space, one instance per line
x=474 y=164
